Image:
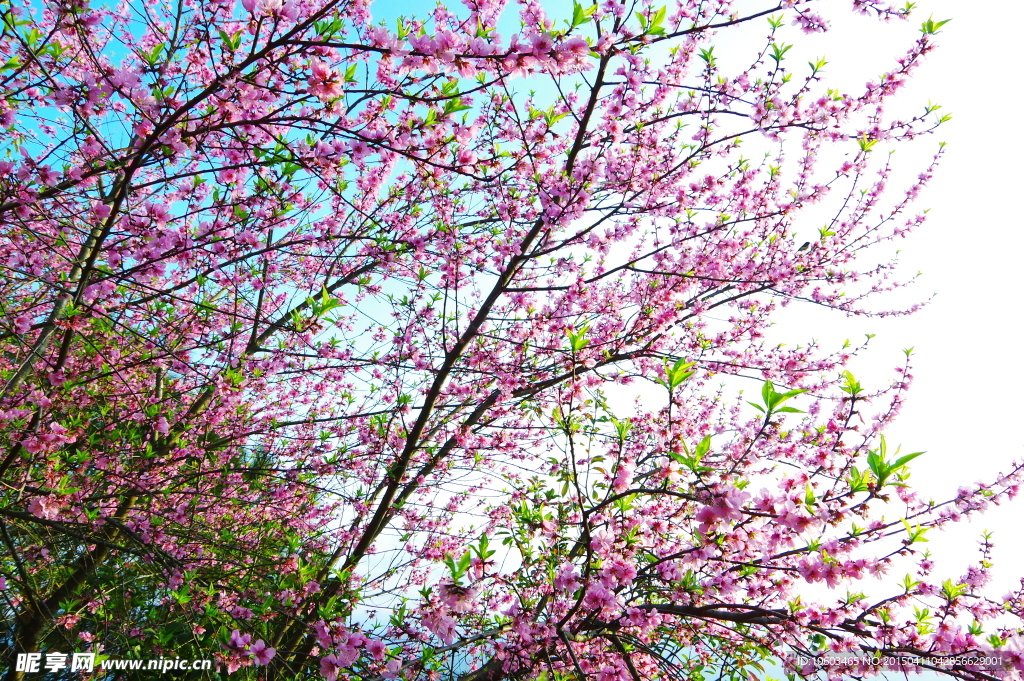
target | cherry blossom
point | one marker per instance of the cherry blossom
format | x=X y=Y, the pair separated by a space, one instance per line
x=350 y=348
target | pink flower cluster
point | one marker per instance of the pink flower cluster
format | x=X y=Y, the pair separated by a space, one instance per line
x=346 y=647
x=725 y=506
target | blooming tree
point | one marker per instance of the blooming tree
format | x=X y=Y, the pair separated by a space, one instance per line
x=316 y=330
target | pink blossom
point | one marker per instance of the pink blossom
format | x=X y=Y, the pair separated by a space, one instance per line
x=376 y=649
x=228 y=175
x=347 y=654
x=238 y=640
x=329 y=667
x=795 y=518
x=623 y=477
x=161 y=426
x=441 y=625
x=124 y=78
x=458 y=598
x=723 y=507
x=261 y=654
x=575 y=45
x=619 y=572
x=1013 y=652
x=392 y=669
x=809 y=22
x=464 y=133
x=567 y=579
x=323 y=82
x=541 y=44
x=44 y=507
x=600 y=598
x=280 y=9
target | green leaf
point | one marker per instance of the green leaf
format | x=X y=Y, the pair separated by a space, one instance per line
x=858 y=481
x=779 y=51
x=876 y=464
x=914 y=534
x=772 y=398
x=903 y=460
x=581 y=14
x=154 y=55
x=622 y=427
x=851 y=386
x=578 y=339
x=455 y=106
x=931 y=27
x=951 y=590
x=678 y=373
x=865 y=143
x=231 y=42
x=550 y=117
x=656 y=27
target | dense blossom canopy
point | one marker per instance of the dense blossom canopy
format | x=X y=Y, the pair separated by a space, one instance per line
x=321 y=330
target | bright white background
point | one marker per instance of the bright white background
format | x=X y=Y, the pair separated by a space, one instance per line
x=966 y=406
